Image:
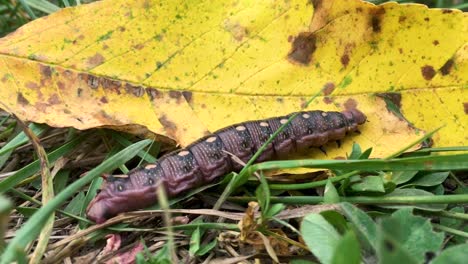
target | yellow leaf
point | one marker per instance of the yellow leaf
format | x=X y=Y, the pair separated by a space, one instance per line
x=183 y=70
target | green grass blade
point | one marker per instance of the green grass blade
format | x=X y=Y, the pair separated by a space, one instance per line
x=33 y=167
x=30 y=229
x=446 y=162
x=401 y=200
x=42 y=5
x=28 y=9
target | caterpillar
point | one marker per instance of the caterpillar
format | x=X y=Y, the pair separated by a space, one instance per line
x=211 y=157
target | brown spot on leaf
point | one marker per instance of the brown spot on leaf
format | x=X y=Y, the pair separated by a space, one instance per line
x=465 y=107
x=92 y=81
x=104 y=100
x=41 y=107
x=395 y=98
x=328 y=88
x=188 y=96
x=350 y=104
x=427 y=19
x=68 y=74
x=5 y=78
x=175 y=95
x=137 y=91
x=79 y=91
x=447 y=67
x=376 y=18
x=345 y=60
x=154 y=93
x=303 y=47
x=435 y=42
x=169 y=126
x=32 y=85
x=328 y=99
x=400 y=50
x=238 y=31
x=21 y=99
x=447 y=11
x=61 y=85
x=95 y=60
x=112 y=85
x=401 y=19
x=139 y=46
x=280 y=100
x=121 y=29
x=428 y=72
x=54 y=99
x=45 y=71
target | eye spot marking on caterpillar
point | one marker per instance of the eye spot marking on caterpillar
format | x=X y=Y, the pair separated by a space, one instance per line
x=150 y=181
x=264 y=124
x=120 y=188
x=283 y=121
x=211 y=139
x=324 y=114
x=305 y=116
x=240 y=128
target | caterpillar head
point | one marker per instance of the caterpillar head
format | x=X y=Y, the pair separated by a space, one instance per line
x=123 y=193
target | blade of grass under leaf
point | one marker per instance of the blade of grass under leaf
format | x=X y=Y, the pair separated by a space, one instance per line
x=33 y=167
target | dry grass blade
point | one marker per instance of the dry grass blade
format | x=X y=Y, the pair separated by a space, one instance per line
x=47 y=193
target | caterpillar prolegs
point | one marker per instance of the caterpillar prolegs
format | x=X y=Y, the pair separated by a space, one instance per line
x=209 y=158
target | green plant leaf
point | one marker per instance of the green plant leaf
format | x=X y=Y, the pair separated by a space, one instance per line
x=320 y=237
x=355 y=151
x=400 y=177
x=369 y=184
x=331 y=195
x=74 y=207
x=207 y=248
x=454 y=255
x=347 y=251
x=362 y=223
x=413 y=233
x=428 y=179
x=274 y=210
x=195 y=241
x=389 y=249
x=60 y=180
x=336 y=219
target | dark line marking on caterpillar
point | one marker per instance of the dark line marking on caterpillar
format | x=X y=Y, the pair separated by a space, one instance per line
x=207 y=159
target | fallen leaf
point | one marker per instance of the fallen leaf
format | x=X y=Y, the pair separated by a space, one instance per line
x=183 y=71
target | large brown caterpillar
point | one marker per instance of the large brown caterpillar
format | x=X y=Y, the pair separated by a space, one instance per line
x=207 y=159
